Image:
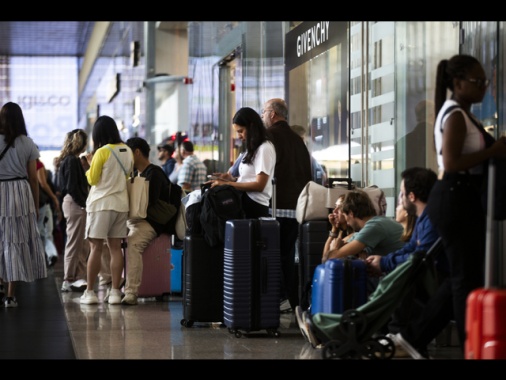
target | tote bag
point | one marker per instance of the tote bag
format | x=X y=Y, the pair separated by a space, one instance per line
x=138 y=193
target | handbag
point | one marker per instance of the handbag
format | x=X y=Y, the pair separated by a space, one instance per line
x=315 y=201
x=181 y=222
x=138 y=195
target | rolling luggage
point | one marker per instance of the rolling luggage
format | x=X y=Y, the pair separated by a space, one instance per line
x=312 y=238
x=486 y=307
x=176 y=273
x=339 y=285
x=156 y=268
x=251 y=276
x=317 y=289
x=202 y=281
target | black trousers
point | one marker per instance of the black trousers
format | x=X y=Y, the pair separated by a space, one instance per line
x=289 y=230
x=252 y=209
x=455 y=209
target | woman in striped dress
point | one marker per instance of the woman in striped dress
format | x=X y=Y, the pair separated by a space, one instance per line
x=22 y=256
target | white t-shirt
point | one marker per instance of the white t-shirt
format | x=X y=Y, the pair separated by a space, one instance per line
x=264 y=161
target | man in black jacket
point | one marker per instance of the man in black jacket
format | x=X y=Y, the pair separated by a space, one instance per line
x=142 y=231
x=292 y=173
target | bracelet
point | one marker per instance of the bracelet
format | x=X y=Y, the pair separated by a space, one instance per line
x=333 y=234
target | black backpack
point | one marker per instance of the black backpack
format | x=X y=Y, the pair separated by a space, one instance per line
x=219 y=204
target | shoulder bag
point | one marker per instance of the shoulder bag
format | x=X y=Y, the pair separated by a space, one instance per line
x=138 y=193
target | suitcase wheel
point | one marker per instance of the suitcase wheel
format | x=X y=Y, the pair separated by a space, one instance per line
x=186 y=323
x=237 y=333
x=273 y=332
x=380 y=347
x=335 y=349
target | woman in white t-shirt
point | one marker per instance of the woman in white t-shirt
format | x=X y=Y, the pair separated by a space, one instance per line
x=256 y=169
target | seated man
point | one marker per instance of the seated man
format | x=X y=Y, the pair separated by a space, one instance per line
x=142 y=231
x=416 y=185
x=373 y=233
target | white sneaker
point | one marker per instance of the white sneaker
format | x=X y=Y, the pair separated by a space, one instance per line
x=65 y=286
x=114 y=297
x=129 y=299
x=300 y=321
x=285 y=307
x=406 y=346
x=399 y=351
x=10 y=302
x=89 y=297
x=79 y=285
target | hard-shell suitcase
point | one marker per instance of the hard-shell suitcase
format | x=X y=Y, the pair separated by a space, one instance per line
x=317 y=288
x=251 y=276
x=313 y=235
x=342 y=286
x=486 y=307
x=176 y=274
x=156 y=268
x=485 y=327
x=202 y=281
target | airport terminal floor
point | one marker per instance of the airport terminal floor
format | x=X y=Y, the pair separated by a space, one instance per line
x=49 y=324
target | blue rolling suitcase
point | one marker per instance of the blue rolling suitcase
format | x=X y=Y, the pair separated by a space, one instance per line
x=342 y=286
x=202 y=281
x=317 y=289
x=176 y=274
x=251 y=276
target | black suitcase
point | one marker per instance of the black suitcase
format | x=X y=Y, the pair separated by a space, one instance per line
x=251 y=276
x=313 y=235
x=202 y=281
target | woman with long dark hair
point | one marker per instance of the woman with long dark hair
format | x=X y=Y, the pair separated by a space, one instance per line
x=111 y=163
x=256 y=169
x=22 y=256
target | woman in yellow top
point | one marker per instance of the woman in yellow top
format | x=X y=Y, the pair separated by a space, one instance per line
x=107 y=205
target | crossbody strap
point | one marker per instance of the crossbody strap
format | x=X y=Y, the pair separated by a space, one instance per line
x=5 y=150
x=117 y=158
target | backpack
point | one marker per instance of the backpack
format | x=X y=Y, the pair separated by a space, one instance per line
x=175 y=194
x=219 y=204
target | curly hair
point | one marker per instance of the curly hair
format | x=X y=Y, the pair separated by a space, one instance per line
x=74 y=144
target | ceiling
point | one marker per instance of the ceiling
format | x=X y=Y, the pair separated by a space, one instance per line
x=44 y=38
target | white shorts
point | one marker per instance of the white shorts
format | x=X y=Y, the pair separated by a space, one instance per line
x=106 y=224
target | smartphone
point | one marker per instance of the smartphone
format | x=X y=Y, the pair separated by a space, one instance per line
x=213 y=177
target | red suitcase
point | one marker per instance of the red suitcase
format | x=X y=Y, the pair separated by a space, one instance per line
x=485 y=327
x=156 y=268
x=486 y=307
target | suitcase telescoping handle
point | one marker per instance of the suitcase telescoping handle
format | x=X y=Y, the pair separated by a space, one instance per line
x=491 y=276
x=348 y=180
x=273 y=203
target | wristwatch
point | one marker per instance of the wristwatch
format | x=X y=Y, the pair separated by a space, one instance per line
x=333 y=234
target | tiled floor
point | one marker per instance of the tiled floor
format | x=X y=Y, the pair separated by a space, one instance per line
x=150 y=330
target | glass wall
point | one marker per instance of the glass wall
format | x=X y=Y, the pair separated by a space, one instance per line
x=366 y=100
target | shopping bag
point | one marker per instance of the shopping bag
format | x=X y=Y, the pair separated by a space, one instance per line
x=138 y=193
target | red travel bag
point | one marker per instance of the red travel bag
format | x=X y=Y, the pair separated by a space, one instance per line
x=486 y=307
x=485 y=327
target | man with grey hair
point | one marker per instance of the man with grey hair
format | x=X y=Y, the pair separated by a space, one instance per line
x=292 y=173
